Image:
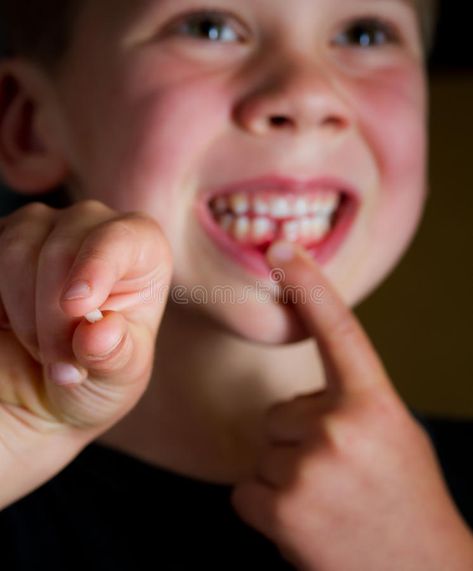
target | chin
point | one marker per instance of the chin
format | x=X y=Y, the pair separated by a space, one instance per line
x=275 y=325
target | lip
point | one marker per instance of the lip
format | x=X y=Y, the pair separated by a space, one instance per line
x=284 y=184
x=254 y=260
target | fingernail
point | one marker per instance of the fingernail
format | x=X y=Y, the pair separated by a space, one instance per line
x=281 y=252
x=78 y=290
x=108 y=352
x=64 y=374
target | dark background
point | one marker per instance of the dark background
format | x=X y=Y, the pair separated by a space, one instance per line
x=453 y=50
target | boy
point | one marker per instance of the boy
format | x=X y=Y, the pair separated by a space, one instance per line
x=191 y=140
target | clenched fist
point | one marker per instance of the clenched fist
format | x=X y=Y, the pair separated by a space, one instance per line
x=65 y=380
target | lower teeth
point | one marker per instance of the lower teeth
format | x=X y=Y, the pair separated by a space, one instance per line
x=259 y=231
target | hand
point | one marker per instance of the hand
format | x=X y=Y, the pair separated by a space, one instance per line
x=349 y=480
x=43 y=423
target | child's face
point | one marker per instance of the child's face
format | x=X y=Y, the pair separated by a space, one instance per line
x=157 y=117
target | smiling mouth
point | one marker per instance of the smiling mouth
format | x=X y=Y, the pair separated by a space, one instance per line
x=256 y=220
x=244 y=223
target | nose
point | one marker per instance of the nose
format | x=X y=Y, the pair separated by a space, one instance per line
x=294 y=99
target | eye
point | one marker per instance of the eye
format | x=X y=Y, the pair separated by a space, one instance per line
x=368 y=32
x=209 y=25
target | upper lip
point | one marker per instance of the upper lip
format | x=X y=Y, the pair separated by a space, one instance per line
x=286 y=184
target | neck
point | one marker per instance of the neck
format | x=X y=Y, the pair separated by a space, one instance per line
x=202 y=414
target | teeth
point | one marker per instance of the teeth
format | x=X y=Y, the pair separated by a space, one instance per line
x=262 y=227
x=241 y=228
x=324 y=204
x=276 y=206
x=319 y=226
x=330 y=202
x=239 y=203
x=302 y=218
x=315 y=205
x=279 y=208
x=260 y=207
x=305 y=227
x=291 y=230
x=300 y=207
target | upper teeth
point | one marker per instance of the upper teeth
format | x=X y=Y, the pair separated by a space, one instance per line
x=239 y=203
x=278 y=206
x=260 y=206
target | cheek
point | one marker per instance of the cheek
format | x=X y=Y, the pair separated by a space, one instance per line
x=176 y=126
x=169 y=134
x=393 y=113
x=164 y=133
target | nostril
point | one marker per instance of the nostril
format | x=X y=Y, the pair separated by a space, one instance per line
x=279 y=121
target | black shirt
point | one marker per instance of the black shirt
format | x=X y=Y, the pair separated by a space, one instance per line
x=108 y=510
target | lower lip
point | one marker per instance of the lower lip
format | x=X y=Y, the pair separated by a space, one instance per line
x=254 y=260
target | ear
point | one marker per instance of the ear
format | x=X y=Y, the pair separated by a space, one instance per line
x=31 y=158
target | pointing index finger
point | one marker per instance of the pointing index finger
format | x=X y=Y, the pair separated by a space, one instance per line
x=350 y=360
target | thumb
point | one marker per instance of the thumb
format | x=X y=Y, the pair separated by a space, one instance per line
x=115 y=356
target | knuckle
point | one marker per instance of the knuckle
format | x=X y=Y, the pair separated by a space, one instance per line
x=141 y=216
x=340 y=435
x=121 y=228
x=85 y=212
x=90 y=205
x=113 y=230
x=129 y=232
x=350 y=440
x=152 y=223
x=34 y=210
x=14 y=239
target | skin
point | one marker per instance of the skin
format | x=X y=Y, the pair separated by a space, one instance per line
x=347 y=470
x=146 y=122
x=134 y=130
